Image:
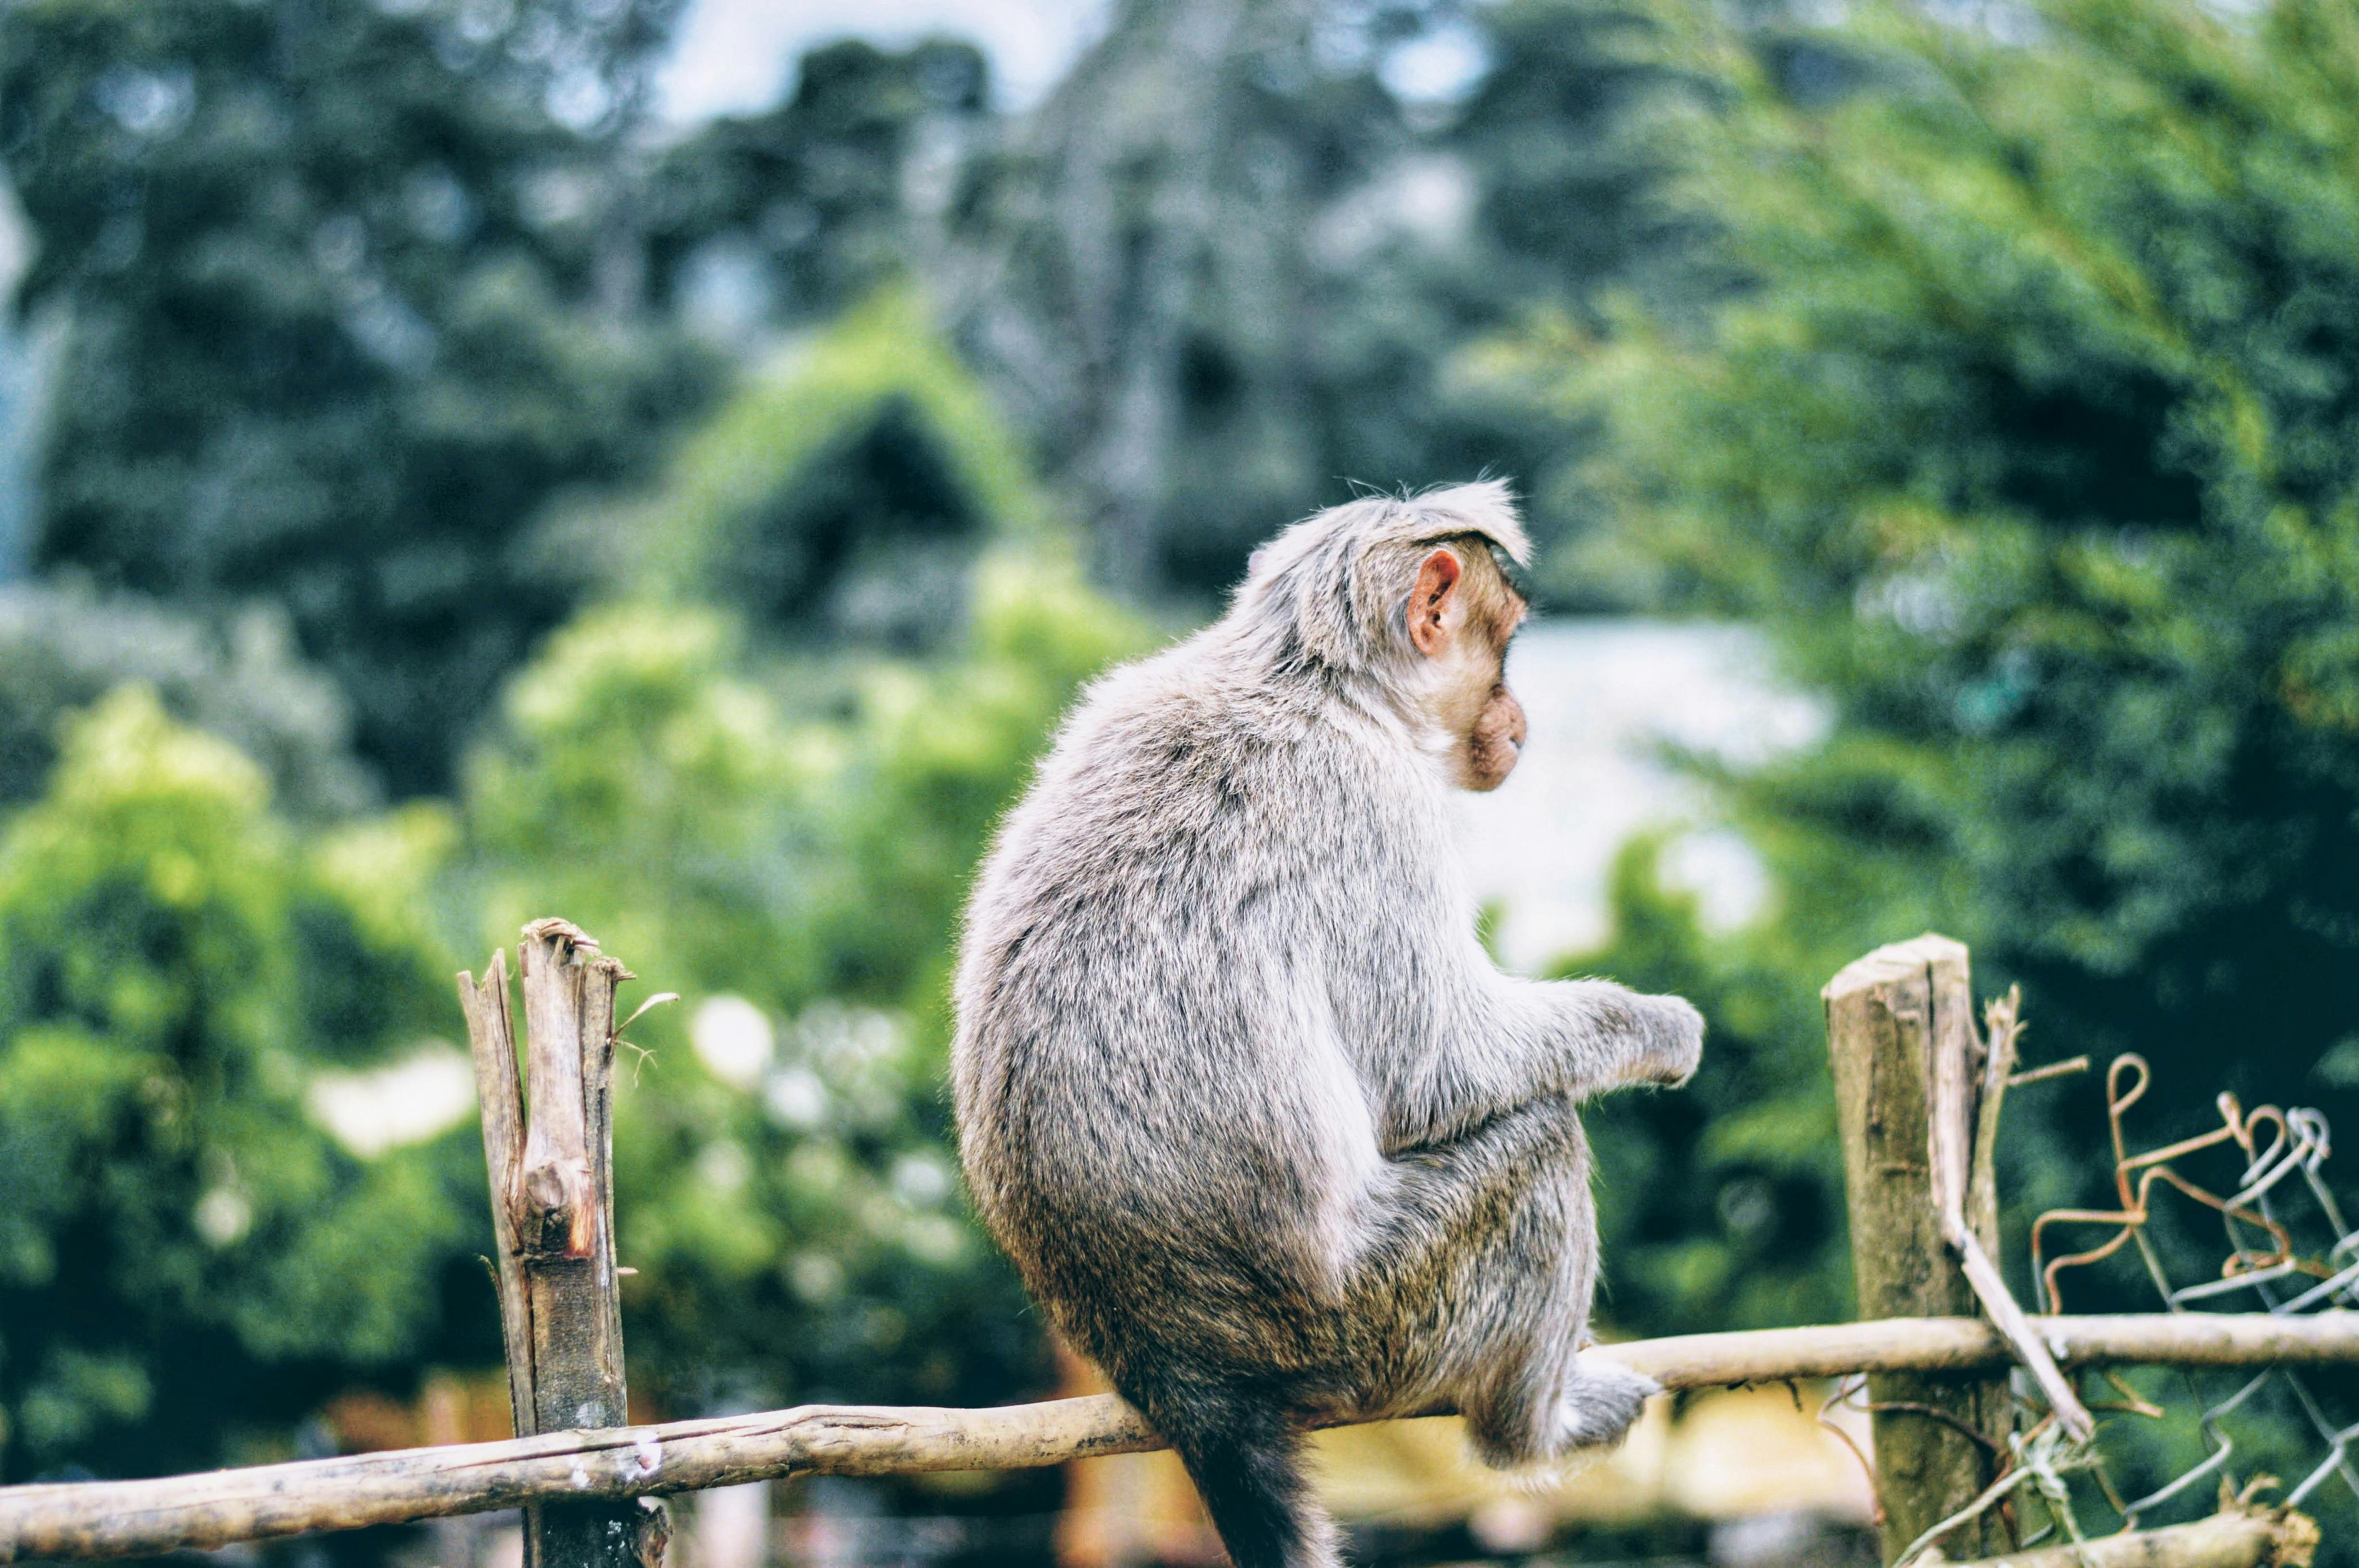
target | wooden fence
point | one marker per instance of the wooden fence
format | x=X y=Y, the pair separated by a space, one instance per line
x=1918 y=1089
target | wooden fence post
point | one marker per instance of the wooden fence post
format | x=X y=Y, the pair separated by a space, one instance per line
x=1892 y=1018
x=553 y=1213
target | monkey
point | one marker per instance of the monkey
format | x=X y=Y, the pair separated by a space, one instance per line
x=1239 y=1090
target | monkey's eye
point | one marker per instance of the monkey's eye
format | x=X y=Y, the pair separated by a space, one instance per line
x=1512 y=569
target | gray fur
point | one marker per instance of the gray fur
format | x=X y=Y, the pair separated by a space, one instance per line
x=1238 y=1089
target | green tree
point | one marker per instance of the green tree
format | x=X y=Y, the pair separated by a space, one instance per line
x=934 y=757
x=836 y=500
x=1218 y=276
x=808 y=208
x=188 y=1262
x=1570 y=185
x=333 y=276
x=1570 y=216
x=640 y=784
x=1228 y=269
x=2029 y=439
x=1225 y=271
x=2030 y=445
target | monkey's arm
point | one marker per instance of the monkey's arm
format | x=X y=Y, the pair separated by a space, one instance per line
x=1606 y=1035
x=1516 y=1041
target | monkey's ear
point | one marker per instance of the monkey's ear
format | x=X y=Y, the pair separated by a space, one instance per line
x=1437 y=581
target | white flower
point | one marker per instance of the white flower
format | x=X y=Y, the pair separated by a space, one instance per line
x=734 y=1040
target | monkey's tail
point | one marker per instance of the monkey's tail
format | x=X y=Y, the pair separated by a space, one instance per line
x=1245 y=1457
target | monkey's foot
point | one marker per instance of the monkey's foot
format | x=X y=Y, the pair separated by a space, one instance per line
x=1602 y=1399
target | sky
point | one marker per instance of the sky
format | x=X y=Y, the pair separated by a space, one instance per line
x=733 y=56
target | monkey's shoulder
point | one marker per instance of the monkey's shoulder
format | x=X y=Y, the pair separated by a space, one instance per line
x=1172 y=747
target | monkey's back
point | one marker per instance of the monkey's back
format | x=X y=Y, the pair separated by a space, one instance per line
x=1158 y=1112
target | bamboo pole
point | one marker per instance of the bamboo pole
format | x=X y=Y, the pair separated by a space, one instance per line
x=1901 y=1040
x=127 y=1518
x=2240 y=1538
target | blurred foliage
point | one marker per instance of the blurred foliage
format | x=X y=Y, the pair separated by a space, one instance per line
x=781 y=829
x=936 y=758
x=63 y=645
x=1569 y=179
x=330 y=273
x=836 y=500
x=341 y=347
x=2030 y=440
x=188 y=1263
x=642 y=788
x=1225 y=271
x=1562 y=136
x=1722 y=1204
x=1218 y=276
x=806 y=208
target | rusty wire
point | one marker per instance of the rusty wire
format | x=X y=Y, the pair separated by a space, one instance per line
x=2262 y=1258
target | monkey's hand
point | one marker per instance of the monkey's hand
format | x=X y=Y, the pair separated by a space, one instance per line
x=1671 y=1041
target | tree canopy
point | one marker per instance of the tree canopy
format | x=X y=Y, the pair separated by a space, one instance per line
x=2031 y=439
x=335 y=282
x=2027 y=433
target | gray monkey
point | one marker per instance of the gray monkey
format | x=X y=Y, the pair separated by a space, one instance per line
x=1238 y=1089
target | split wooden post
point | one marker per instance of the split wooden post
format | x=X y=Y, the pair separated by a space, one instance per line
x=1892 y=1017
x=552 y=1214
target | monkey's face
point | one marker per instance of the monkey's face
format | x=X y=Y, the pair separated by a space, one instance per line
x=1463 y=633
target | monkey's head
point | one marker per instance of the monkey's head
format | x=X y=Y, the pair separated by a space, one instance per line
x=1414 y=598
x=1461 y=613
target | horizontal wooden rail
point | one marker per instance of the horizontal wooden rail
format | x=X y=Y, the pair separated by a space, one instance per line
x=135 y=1518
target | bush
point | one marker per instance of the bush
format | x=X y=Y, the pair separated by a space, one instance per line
x=188 y=1261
